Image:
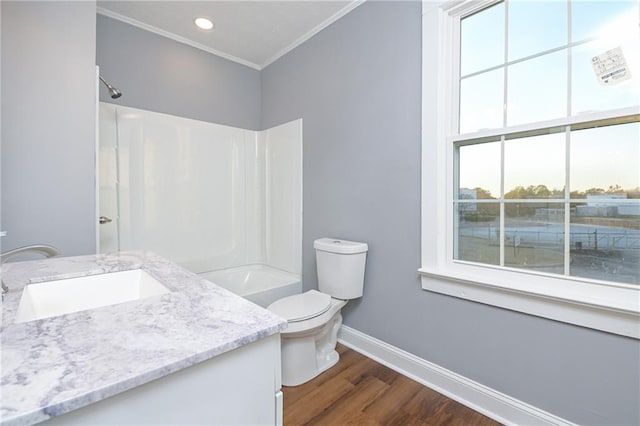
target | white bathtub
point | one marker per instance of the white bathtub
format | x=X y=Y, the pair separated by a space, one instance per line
x=260 y=284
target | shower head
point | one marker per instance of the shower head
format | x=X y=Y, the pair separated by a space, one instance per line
x=113 y=92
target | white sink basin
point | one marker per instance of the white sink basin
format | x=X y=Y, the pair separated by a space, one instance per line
x=53 y=298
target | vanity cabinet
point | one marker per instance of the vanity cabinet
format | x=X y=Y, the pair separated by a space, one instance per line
x=239 y=387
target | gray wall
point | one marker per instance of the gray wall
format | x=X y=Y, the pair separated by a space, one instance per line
x=158 y=74
x=357 y=87
x=48 y=125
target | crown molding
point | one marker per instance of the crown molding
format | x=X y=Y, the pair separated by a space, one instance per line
x=342 y=12
x=333 y=18
x=110 y=14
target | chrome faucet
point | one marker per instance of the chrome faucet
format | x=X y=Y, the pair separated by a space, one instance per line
x=48 y=251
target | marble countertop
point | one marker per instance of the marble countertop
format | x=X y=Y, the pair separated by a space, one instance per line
x=54 y=365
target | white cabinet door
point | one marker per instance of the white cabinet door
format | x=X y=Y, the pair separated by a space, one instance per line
x=240 y=387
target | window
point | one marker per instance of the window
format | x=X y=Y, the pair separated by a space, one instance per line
x=531 y=152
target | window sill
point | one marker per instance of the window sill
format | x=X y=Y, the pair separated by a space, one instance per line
x=573 y=302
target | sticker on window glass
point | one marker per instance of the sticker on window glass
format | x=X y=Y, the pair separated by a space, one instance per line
x=610 y=67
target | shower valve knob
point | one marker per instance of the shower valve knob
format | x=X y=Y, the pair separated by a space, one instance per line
x=104 y=219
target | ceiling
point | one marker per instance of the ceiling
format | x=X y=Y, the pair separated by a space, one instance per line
x=254 y=33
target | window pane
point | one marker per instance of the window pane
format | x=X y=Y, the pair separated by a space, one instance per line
x=587 y=94
x=605 y=241
x=536 y=26
x=482 y=40
x=479 y=171
x=534 y=167
x=534 y=236
x=593 y=18
x=481 y=101
x=537 y=89
x=478 y=233
x=605 y=161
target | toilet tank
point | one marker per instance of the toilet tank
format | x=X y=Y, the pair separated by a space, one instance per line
x=340 y=267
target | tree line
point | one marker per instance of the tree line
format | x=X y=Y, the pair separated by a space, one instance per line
x=490 y=211
x=541 y=191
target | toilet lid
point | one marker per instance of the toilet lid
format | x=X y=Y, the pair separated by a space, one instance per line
x=303 y=306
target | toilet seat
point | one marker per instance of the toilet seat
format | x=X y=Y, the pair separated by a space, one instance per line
x=300 y=307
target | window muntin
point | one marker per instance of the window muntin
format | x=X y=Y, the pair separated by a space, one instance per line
x=525 y=200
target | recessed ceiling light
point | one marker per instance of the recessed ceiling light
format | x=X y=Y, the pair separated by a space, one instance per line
x=203 y=23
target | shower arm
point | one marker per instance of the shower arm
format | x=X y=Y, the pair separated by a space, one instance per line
x=113 y=92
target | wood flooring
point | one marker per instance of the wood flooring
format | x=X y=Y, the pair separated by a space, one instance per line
x=359 y=391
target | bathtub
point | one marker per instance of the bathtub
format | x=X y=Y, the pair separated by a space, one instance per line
x=260 y=284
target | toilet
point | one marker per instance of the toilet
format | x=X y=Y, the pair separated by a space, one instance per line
x=309 y=342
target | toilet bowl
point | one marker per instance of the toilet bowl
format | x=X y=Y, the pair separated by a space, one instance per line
x=309 y=342
x=314 y=317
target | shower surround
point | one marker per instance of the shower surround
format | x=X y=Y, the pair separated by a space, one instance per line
x=207 y=196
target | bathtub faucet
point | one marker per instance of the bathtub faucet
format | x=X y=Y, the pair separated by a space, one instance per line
x=48 y=251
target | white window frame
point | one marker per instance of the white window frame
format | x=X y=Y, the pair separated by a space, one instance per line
x=609 y=307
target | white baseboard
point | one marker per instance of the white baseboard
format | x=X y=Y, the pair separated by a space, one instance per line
x=491 y=403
